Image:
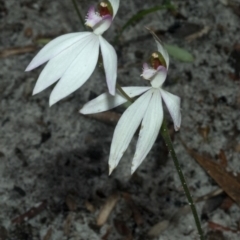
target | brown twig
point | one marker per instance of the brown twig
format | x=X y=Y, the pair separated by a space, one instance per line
x=199 y=34
x=31 y=213
x=17 y=50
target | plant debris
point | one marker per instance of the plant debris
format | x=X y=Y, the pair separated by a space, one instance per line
x=107 y=208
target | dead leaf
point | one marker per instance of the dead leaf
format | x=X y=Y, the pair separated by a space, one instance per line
x=16 y=51
x=225 y=179
x=106 y=235
x=157 y=229
x=211 y=205
x=199 y=34
x=107 y=209
x=223 y=158
x=136 y=213
x=209 y=195
x=31 y=213
x=218 y=227
x=204 y=132
x=122 y=228
x=183 y=29
x=108 y=117
x=215 y=235
x=89 y=206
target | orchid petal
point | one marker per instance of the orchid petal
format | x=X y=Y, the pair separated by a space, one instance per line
x=163 y=51
x=148 y=72
x=106 y=101
x=103 y=25
x=110 y=64
x=92 y=17
x=135 y=91
x=126 y=127
x=115 y=6
x=78 y=72
x=173 y=104
x=150 y=127
x=56 y=67
x=159 y=77
x=54 y=47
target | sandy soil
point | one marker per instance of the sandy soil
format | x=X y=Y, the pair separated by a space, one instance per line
x=53 y=161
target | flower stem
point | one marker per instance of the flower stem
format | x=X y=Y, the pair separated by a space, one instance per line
x=119 y=88
x=78 y=13
x=167 y=139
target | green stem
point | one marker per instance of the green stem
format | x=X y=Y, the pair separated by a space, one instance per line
x=167 y=139
x=78 y=13
x=119 y=88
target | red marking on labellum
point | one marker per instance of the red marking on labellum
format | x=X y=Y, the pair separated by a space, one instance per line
x=155 y=61
x=104 y=9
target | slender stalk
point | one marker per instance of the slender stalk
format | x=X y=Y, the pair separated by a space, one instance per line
x=78 y=13
x=167 y=139
x=119 y=88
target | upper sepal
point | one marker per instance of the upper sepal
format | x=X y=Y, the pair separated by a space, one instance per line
x=160 y=47
x=115 y=6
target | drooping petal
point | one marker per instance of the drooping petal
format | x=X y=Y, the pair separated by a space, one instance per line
x=106 y=101
x=173 y=104
x=78 y=72
x=56 y=67
x=148 y=72
x=115 y=6
x=54 y=47
x=92 y=17
x=110 y=64
x=163 y=51
x=159 y=78
x=103 y=25
x=150 y=127
x=126 y=127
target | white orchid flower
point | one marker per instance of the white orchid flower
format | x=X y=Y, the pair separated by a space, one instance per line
x=72 y=57
x=147 y=110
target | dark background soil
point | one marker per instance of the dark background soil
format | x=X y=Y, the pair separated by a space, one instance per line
x=54 y=160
